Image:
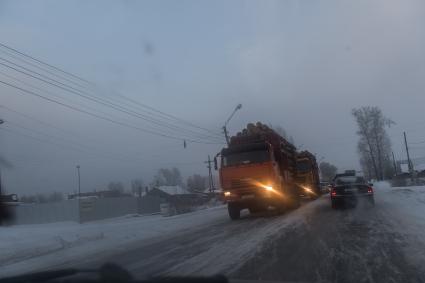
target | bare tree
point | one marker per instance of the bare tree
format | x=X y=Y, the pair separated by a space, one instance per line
x=374 y=146
x=168 y=177
x=117 y=187
x=42 y=198
x=55 y=197
x=197 y=182
x=5 y=163
x=136 y=186
x=327 y=171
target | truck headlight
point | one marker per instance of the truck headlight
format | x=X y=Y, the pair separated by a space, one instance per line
x=268 y=188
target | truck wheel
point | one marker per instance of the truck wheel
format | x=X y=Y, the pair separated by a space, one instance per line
x=296 y=201
x=293 y=201
x=234 y=211
x=282 y=208
x=317 y=193
x=255 y=209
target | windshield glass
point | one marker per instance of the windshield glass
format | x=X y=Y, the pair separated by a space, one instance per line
x=242 y=158
x=350 y=180
x=303 y=166
x=171 y=138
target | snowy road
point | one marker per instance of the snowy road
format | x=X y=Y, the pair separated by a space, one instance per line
x=313 y=243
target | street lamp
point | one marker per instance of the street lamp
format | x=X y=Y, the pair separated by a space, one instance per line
x=239 y=106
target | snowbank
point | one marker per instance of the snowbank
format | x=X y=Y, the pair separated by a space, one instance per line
x=404 y=209
x=22 y=246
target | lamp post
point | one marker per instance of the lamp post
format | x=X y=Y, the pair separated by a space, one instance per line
x=226 y=135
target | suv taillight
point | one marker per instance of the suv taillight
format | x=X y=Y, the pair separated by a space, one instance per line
x=369 y=190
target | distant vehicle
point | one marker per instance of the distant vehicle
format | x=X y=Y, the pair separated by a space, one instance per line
x=11 y=199
x=308 y=175
x=349 y=189
x=6 y=204
x=346 y=174
x=258 y=170
x=325 y=187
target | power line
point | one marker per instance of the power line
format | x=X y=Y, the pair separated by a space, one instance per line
x=92 y=84
x=104 y=102
x=38 y=139
x=167 y=115
x=51 y=93
x=44 y=63
x=69 y=144
x=25 y=91
x=46 y=91
x=70 y=133
x=421 y=142
x=35 y=119
x=40 y=68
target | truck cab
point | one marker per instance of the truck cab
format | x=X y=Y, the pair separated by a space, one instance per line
x=307 y=178
x=255 y=173
x=249 y=172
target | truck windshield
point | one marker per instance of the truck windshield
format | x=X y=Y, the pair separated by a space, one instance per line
x=246 y=158
x=303 y=166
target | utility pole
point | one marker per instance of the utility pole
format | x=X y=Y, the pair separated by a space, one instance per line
x=226 y=134
x=79 y=194
x=1 y=122
x=79 y=181
x=210 y=177
x=394 y=164
x=409 y=162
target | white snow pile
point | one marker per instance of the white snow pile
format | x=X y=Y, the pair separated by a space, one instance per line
x=173 y=190
x=404 y=209
x=25 y=248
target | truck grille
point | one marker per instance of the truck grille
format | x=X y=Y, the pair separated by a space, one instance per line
x=240 y=184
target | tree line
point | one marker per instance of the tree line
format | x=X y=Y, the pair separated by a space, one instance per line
x=163 y=177
x=373 y=146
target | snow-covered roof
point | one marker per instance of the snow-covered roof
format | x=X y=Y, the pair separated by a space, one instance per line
x=173 y=190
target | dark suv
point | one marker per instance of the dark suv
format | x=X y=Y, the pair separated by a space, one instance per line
x=350 y=189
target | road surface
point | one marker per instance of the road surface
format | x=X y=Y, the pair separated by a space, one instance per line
x=313 y=243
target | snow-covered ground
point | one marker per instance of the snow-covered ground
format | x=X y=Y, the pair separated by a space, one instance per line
x=22 y=245
x=313 y=242
x=404 y=209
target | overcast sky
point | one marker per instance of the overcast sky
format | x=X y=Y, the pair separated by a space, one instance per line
x=302 y=65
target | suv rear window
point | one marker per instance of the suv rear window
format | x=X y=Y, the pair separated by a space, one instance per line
x=349 y=180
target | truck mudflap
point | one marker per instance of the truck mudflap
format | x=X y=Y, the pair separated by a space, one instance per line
x=256 y=203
